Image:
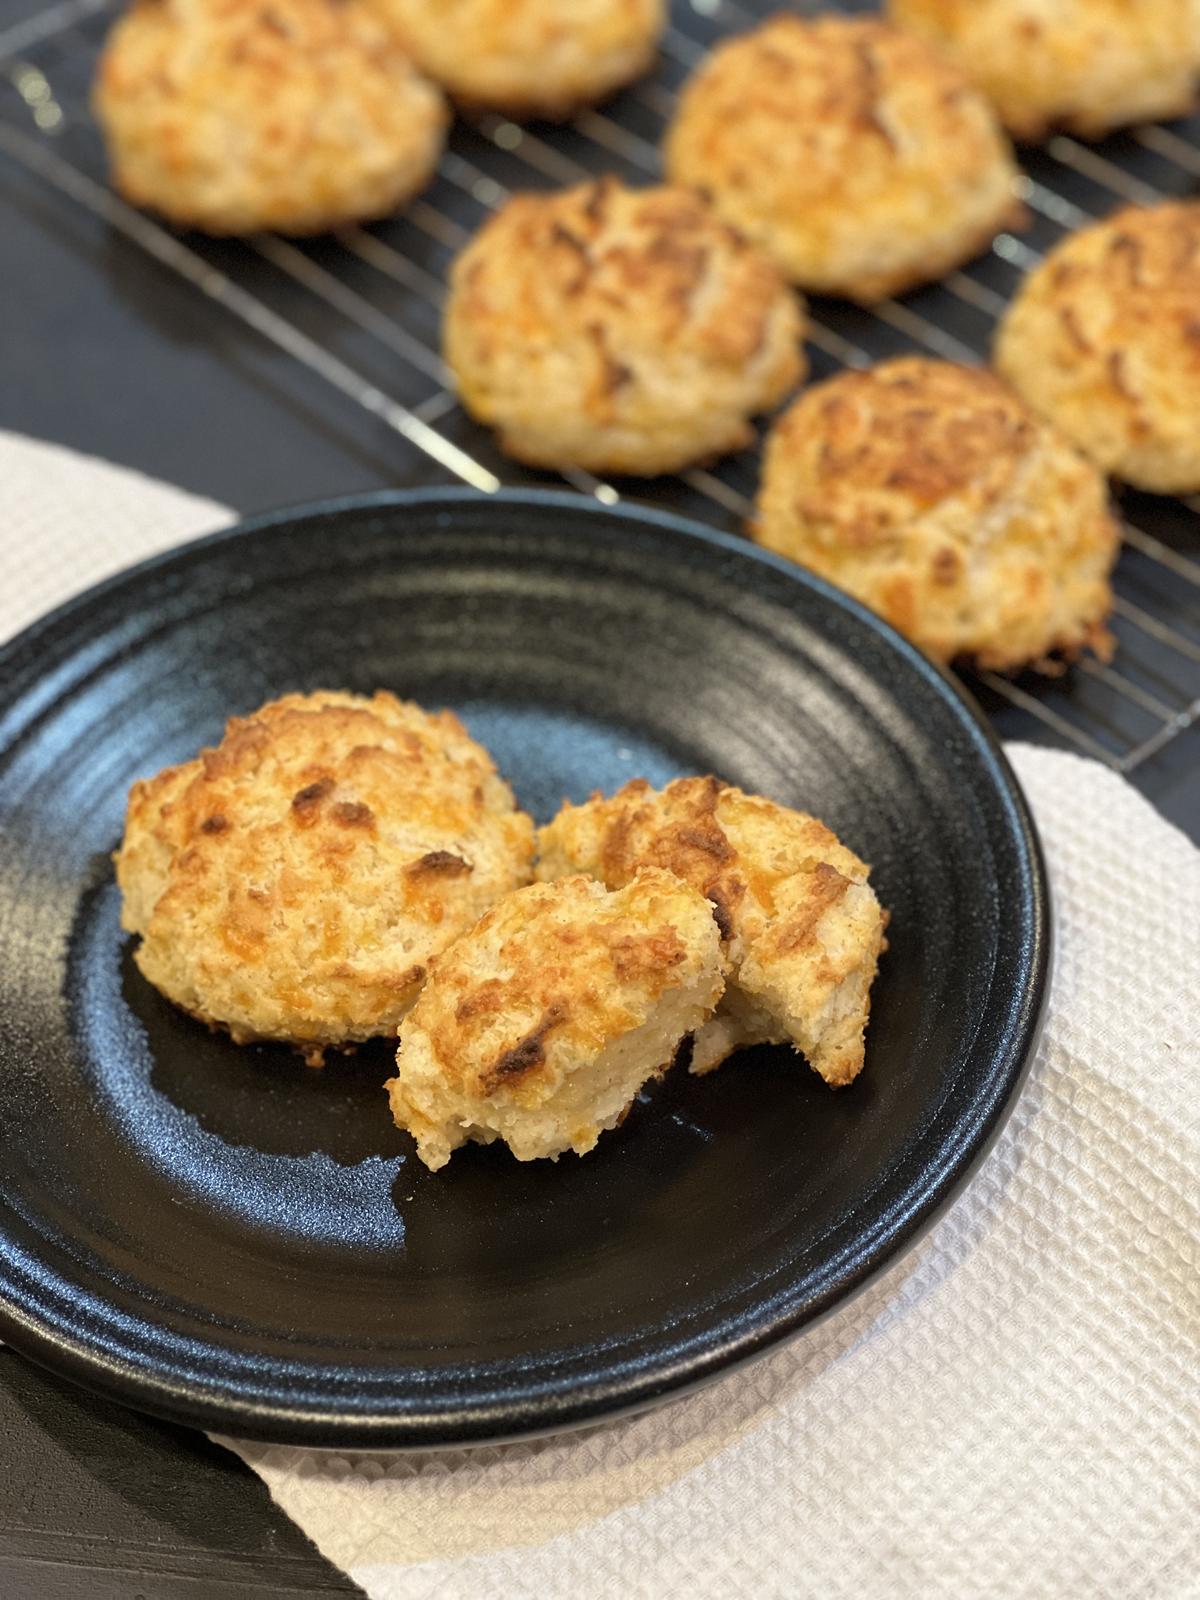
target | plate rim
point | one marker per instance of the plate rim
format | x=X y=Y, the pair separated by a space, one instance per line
x=195 y=1404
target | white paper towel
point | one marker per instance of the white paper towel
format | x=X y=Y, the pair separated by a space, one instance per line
x=1012 y=1411
x=67 y=521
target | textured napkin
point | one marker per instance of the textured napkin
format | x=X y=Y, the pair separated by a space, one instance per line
x=1012 y=1411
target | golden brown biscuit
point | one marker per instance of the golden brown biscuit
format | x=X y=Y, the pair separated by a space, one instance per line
x=239 y=115
x=296 y=882
x=541 y=1024
x=1104 y=339
x=618 y=330
x=530 y=58
x=1084 y=65
x=851 y=152
x=802 y=926
x=933 y=494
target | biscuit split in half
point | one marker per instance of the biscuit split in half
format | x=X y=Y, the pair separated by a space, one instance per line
x=541 y=1025
x=801 y=924
x=933 y=494
x=618 y=330
x=296 y=882
x=232 y=116
x=858 y=158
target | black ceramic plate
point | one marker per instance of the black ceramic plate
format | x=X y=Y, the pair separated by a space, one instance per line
x=227 y=1238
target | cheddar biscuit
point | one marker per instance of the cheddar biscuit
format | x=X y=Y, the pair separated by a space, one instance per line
x=233 y=116
x=1084 y=65
x=296 y=882
x=934 y=495
x=530 y=58
x=618 y=330
x=541 y=1025
x=1104 y=339
x=852 y=153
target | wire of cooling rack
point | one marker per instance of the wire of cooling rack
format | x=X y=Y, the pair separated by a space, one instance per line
x=361 y=310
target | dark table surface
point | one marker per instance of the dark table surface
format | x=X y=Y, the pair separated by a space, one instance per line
x=103 y=350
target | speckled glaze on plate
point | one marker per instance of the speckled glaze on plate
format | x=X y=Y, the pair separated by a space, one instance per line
x=226 y=1238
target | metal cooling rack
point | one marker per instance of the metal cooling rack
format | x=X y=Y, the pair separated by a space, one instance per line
x=361 y=309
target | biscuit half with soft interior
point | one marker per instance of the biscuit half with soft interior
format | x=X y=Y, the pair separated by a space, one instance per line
x=541 y=1025
x=296 y=882
x=801 y=925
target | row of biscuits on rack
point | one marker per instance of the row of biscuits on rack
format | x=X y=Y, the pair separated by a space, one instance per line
x=638 y=331
x=299 y=115
x=631 y=331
